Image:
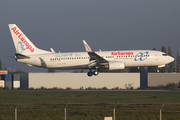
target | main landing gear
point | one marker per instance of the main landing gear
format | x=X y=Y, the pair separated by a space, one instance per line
x=95 y=73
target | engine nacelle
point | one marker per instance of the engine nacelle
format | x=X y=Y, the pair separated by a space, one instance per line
x=116 y=65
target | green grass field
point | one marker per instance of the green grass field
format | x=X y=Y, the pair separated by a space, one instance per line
x=89 y=105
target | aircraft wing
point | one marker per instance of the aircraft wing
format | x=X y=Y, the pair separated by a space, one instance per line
x=95 y=59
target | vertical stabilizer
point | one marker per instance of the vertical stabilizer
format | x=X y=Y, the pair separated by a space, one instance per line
x=22 y=44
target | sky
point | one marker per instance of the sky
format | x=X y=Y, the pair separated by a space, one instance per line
x=104 y=24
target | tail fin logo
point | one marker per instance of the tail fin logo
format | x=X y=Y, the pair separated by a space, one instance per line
x=23 y=44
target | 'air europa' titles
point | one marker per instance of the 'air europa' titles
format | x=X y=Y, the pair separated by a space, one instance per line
x=122 y=53
x=22 y=38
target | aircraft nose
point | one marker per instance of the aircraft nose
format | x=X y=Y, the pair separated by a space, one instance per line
x=171 y=59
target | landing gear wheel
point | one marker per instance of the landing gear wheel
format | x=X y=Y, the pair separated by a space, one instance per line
x=96 y=73
x=90 y=73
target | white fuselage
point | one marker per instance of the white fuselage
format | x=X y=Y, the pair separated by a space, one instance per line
x=80 y=60
x=28 y=53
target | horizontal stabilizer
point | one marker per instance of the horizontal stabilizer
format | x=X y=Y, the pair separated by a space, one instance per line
x=21 y=56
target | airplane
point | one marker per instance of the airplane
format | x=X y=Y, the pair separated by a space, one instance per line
x=95 y=61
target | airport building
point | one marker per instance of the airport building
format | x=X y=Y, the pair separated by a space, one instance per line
x=82 y=81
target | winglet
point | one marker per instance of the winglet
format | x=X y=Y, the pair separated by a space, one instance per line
x=52 y=50
x=88 y=49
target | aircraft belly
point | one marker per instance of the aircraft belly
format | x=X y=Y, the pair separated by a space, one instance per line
x=73 y=67
x=31 y=61
x=68 y=65
x=130 y=63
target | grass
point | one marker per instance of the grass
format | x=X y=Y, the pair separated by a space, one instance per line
x=88 y=105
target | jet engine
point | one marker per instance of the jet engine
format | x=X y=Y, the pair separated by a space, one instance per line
x=116 y=65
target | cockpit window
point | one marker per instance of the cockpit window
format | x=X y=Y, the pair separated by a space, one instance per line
x=164 y=54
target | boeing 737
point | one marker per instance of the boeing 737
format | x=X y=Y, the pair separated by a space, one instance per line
x=95 y=61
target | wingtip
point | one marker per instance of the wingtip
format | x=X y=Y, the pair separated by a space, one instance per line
x=84 y=41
